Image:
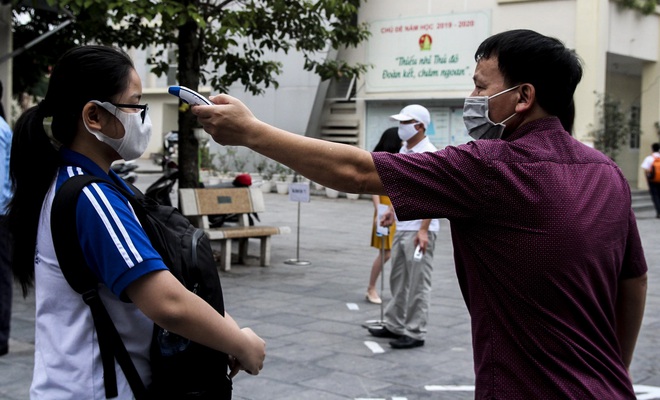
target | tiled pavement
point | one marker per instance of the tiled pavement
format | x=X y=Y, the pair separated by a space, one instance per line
x=311 y=316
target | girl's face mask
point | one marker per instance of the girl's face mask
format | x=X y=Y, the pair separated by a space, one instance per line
x=477 y=122
x=137 y=131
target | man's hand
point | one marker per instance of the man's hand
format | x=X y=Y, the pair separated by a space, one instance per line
x=229 y=121
x=388 y=217
x=422 y=239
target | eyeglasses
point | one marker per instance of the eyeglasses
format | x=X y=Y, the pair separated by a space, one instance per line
x=143 y=107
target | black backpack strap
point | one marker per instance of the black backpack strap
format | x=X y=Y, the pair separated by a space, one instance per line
x=83 y=281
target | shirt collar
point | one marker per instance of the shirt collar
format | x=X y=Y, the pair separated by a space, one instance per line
x=418 y=148
x=72 y=158
x=551 y=122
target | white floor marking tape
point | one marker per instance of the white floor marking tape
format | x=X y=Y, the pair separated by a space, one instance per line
x=352 y=306
x=380 y=398
x=644 y=392
x=449 y=388
x=374 y=347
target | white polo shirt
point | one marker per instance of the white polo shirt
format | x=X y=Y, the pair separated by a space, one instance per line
x=423 y=146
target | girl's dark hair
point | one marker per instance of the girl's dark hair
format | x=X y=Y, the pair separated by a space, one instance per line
x=82 y=74
x=389 y=141
x=525 y=56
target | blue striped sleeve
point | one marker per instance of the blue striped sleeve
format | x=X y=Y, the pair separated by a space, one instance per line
x=115 y=245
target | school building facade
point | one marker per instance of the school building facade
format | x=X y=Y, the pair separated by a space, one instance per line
x=422 y=51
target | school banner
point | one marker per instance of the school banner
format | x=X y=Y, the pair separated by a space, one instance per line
x=425 y=53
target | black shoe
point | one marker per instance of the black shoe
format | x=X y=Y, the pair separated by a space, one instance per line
x=383 y=332
x=406 y=342
x=4 y=350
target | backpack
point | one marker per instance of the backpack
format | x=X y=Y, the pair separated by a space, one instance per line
x=181 y=368
x=654 y=172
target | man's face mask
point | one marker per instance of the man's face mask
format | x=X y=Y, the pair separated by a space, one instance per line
x=477 y=122
x=137 y=131
x=406 y=131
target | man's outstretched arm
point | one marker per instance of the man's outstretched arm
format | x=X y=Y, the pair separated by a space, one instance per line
x=335 y=165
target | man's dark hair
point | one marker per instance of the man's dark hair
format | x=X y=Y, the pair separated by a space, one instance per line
x=655 y=147
x=525 y=56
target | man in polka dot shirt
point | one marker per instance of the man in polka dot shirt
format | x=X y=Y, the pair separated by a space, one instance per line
x=546 y=246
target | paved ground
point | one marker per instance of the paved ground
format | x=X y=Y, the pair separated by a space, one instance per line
x=311 y=316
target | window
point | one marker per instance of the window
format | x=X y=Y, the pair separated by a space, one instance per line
x=633 y=124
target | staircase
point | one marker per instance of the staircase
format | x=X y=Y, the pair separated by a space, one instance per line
x=341 y=123
x=641 y=200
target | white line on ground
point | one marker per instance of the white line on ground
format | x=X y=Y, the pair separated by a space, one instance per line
x=352 y=306
x=374 y=347
x=645 y=392
x=449 y=388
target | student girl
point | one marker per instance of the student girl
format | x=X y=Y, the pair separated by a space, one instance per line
x=91 y=116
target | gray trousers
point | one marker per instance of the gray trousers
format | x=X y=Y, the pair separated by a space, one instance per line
x=6 y=282
x=410 y=283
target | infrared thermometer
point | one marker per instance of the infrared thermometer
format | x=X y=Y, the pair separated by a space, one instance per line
x=189 y=96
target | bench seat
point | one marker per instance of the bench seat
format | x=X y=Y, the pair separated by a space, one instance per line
x=198 y=204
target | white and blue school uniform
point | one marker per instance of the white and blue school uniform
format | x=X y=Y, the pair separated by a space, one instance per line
x=67 y=358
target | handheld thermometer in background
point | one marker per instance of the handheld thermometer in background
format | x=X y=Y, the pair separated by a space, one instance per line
x=189 y=96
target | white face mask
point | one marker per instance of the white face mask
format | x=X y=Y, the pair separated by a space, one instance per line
x=477 y=122
x=406 y=131
x=136 y=132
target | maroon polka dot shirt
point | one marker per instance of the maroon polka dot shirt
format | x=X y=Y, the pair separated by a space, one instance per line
x=542 y=230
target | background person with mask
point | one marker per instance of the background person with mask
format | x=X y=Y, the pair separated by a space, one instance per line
x=406 y=314
x=555 y=292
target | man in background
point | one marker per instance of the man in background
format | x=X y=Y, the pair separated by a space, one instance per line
x=406 y=314
x=651 y=166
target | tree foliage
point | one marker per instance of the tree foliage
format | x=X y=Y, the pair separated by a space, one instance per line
x=646 y=7
x=217 y=42
x=613 y=129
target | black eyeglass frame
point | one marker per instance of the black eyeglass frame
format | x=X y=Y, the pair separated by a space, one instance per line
x=143 y=107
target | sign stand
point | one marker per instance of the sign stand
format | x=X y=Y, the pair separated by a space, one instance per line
x=383 y=232
x=298 y=192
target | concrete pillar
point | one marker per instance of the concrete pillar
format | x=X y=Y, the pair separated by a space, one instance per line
x=591 y=35
x=650 y=115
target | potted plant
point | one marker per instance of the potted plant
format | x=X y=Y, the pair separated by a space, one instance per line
x=240 y=163
x=282 y=178
x=208 y=172
x=331 y=193
x=267 y=174
x=260 y=164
